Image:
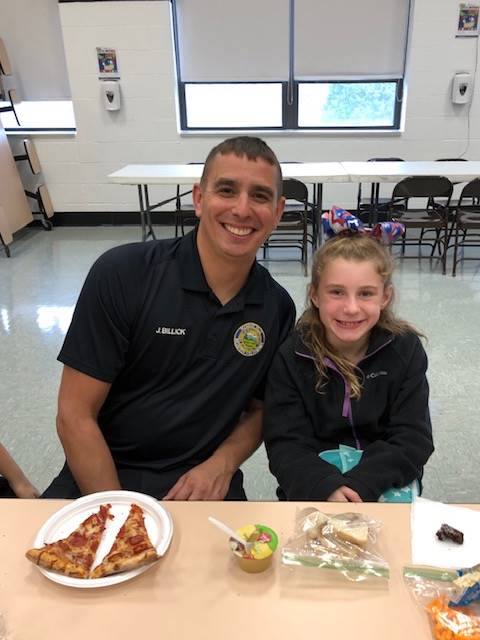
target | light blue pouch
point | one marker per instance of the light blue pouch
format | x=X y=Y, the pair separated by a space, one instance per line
x=345 y=458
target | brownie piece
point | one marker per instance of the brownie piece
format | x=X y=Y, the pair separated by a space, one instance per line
x=446 y=532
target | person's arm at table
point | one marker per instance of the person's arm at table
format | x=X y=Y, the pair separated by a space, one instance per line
x=88 y=456
x=210 y=480
x=344 y=494
x=18 y=481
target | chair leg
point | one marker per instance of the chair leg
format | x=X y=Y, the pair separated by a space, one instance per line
x=444 y=254
x=437 y=243
x=450 y=231
x=455 y=249
x=420 y=240
x=305 y=247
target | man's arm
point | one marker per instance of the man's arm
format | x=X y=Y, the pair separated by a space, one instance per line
x=210 y=480
x=88 y=456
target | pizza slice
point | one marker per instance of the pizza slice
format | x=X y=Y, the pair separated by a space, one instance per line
x=74 y=555
x=131 y=548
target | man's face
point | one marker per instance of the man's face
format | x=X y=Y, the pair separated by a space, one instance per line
x=238 y=206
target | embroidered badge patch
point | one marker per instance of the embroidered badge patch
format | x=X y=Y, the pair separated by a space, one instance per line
x=249 y=339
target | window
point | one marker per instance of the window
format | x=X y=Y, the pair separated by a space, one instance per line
x=243 y=105
x=290 y=64
x=347 y=104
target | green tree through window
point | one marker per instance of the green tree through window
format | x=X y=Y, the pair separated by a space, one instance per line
x=366 y=102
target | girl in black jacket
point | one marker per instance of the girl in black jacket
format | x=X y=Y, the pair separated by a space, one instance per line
x=351 y=374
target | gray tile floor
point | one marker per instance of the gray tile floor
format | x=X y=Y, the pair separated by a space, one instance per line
x=39 y=285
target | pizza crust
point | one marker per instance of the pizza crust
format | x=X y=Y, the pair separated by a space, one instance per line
x=109 y=567
x=49 y=559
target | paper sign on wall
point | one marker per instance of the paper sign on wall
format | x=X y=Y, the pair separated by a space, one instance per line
x=468 y=20
x=107 y=62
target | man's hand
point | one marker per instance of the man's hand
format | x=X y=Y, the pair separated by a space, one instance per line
x=207 y=481
x=25 y=489
x=344 y=494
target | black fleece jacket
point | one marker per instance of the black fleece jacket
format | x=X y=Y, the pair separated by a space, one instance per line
x=390 y=422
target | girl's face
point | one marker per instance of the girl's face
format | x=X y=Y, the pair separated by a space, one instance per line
x=349 y=299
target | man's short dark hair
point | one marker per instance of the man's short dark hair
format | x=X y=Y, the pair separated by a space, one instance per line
x=249 y=146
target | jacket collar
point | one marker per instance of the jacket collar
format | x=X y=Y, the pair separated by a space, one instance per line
x=379 y=338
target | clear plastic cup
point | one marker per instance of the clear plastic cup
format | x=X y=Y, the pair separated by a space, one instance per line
x=257 y=557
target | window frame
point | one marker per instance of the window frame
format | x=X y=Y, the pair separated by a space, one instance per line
x=290 y=111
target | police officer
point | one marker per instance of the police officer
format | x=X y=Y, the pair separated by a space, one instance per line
x=170 y=342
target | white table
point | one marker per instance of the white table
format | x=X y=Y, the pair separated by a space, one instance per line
x=378 y=172
x=316 y=173
x=143 y=175
x=396 y=171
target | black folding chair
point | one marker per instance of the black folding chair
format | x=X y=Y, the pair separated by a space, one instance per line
x=467 y=222
x=184 y=213
x=369 y=207
x=292 y=230
x=432 y=217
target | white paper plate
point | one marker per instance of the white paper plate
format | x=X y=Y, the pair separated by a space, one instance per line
x=157 y=521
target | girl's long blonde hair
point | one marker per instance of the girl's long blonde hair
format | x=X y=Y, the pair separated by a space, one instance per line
x=355 y=248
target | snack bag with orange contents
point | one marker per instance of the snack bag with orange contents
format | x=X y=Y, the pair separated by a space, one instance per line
x=449 y=623
x=444 y=593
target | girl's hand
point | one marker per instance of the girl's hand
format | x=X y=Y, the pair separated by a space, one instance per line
x=25 y=489
x=344 y=494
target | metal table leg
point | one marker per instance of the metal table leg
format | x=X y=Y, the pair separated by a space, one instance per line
x=148 y=219
x=142 y=212
x=317 y=208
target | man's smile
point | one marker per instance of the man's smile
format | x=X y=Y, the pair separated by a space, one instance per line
x=238 y=231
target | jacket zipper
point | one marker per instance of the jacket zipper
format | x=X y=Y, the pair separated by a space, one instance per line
x=347 y=402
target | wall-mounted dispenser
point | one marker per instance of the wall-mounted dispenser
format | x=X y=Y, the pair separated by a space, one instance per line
x=111 y=95
x=462 y=88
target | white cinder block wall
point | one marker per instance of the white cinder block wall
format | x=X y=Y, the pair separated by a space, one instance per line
x=145 y=130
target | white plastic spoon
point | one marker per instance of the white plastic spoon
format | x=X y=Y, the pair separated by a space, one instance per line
x=233 y=534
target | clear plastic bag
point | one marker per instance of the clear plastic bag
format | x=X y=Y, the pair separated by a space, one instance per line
x=344 y=543
x=451 y=599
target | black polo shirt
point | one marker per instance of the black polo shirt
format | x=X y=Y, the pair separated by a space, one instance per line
x=182 y=366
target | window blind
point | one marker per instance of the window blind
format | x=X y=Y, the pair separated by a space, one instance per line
x=231 y=40
x=350 y=38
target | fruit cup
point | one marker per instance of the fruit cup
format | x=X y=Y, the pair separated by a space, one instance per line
x=261 y=542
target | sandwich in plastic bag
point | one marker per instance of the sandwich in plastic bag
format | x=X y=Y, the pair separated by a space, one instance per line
x=345 y=543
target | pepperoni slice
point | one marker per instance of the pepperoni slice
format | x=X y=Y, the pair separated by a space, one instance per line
x=78 y=540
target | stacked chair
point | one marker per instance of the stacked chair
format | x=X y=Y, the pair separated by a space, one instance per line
x=41 y=194
x=9 y=96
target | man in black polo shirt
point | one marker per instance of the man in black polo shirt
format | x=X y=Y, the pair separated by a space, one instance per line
x=170 y=342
